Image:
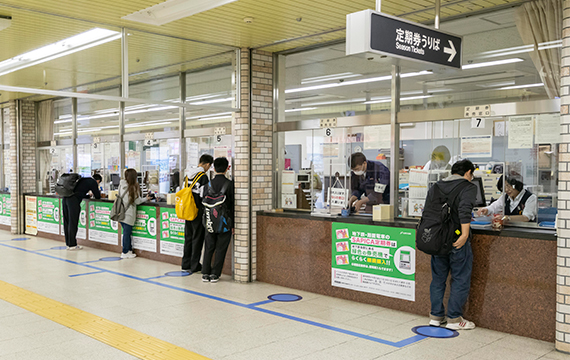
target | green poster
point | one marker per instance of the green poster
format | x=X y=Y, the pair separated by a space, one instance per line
x=375 y=259
x=5 y=209
x=48 y=215
x=82 y=228
x=144 y=230
x=101 y=228
x=171 y=233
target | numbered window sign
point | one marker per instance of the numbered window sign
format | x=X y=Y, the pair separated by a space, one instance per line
x=328 y=132
x=477 y=123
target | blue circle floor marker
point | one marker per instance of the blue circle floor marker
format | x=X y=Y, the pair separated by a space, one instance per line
x=178 y=273
x=59 y=248
x=110 y=258
x=20 y=239
x=435 y=332
x=284 y=297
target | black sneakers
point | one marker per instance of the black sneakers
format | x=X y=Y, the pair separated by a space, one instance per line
x=214 y=278
x=206 y=278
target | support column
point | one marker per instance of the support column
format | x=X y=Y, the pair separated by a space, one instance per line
x=253 y=131
x=23 y=144
x=563 y=259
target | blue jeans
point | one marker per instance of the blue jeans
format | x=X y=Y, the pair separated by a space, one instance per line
x=127 y=237
x=460 y=263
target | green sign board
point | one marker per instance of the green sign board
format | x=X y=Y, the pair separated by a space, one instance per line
x=144 y=230
x=171 y=233
x=101 y=228
x=48 y=215
x=5 y=209
x=82 y=228
x=375 y=259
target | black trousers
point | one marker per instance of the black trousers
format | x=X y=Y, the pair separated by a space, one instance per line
x=219 y=244
x=193 y=243
x=71 y=211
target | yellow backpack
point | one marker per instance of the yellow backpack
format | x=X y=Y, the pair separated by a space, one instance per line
x=186 y=208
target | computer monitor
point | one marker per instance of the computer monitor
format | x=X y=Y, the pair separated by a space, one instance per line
x=480 y=200
x=115 y=181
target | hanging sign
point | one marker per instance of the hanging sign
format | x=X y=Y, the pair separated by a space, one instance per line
x=370 y=31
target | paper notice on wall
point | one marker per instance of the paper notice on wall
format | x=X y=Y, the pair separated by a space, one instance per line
x=416 y=207
x=521 y=132
x=377 y=137
x=331 y=150
x=288 y=182
x=548 y=129
x=418 y=192
x=419 y=177
x=31 y=215
x=476 y=146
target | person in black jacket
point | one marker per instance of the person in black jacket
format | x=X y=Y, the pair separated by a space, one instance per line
x=460 y=261
x=72 y=208
x=219 y=241
x=194 y=230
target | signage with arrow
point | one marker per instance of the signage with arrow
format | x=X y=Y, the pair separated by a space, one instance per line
x=370 y=31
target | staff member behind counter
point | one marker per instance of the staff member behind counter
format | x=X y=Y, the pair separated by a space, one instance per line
x=370 y=182
x=519 y=205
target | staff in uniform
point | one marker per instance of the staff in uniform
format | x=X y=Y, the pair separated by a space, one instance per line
x=370 y=182
x=519 y=205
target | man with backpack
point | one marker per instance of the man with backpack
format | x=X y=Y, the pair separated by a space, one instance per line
x=193 y=229
x=218 y=221
x=444 y=232
x=78 y=188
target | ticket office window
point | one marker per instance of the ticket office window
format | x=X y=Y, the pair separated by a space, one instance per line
x=58 y=160
x=158 y=162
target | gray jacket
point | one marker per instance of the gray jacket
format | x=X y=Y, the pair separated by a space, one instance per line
x=131 y=209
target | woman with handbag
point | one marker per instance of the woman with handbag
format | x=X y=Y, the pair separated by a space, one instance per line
x=131 y=196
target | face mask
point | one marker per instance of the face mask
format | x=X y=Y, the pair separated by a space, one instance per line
x=359 y=173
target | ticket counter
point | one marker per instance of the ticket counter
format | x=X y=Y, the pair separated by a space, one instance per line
x=513 y=287
x=157 y=235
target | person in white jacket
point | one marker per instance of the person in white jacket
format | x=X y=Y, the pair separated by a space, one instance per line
x=130 y=194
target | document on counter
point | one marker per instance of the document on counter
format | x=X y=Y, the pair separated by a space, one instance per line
x=418 y=192
x=418 y=177
x=521 y=132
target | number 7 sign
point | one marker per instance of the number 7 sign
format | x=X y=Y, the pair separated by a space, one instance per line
x=477 y=123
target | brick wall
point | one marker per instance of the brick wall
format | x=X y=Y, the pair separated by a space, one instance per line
x=563 y=261
x=253 y=157
x=27 y=136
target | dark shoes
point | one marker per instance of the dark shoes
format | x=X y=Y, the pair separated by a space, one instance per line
x=206 y=278
x=210 y=278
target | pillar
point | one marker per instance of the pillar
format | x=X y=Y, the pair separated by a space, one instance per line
x=253 y=129
x=22 y=160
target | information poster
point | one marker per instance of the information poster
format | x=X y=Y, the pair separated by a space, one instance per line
x=548 y=129
x=476 y=146
x=172 y=233
x=375 y=259
x=377 y=137
x=101 y=228
x=5 y=209
x=31 y=215
x=144 y=231
x=48 y=215
x=82 y=228
x=521 y=132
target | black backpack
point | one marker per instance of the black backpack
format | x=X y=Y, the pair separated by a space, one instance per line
x=439 y=226
x=66 y=184
x=217 y=217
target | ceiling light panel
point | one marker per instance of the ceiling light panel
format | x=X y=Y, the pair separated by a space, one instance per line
x=172 y=10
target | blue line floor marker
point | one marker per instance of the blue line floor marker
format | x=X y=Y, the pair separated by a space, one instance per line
x=261 y=303
x=20 y=239
x=156 y=277
x=59 y=248
x=110 y=258
x=89 y=273
x=435 y=332
x=398 y=344
x=178 y=273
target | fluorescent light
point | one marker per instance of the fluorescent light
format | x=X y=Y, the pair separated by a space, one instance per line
x=172 y=10
x=300 y=109
x=212 y=101
x=335 y=102
x=521 y=86
x=402 y=99
x=329 y=77
x=80 y=42
x=496 y=84
x=354 y=82
x=491 y=63
x=224 y=114
x=150 y=123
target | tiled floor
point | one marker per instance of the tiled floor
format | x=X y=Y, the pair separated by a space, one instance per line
x=214 y=320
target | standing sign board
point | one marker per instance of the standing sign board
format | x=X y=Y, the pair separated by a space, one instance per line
x=370 y=31
x=48 y=215
x=5 y=209
x=172 y=233
x=375 y=259
x=101 y=228
x=144 y=231
x=31 y=215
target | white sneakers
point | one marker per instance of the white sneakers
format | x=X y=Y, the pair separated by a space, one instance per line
x=129 y=255
x=74 y=248
x=460 y=324
x=453 y=324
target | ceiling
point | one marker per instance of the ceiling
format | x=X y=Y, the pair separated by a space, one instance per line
x=188 y=44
